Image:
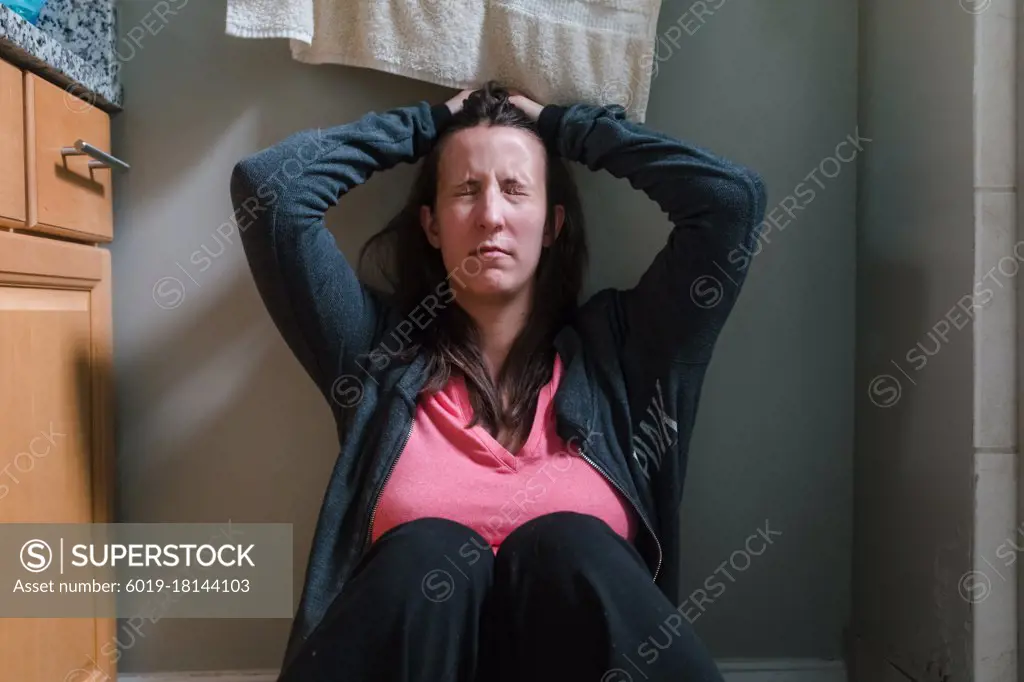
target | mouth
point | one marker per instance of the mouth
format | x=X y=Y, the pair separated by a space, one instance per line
x=491 y=251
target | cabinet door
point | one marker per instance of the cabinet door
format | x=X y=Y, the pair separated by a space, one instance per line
x=12 y=147
x=56 y=429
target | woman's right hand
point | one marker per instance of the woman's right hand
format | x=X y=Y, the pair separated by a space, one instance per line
x=455 y=103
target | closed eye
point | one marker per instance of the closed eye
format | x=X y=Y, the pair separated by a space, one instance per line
x=510 y=187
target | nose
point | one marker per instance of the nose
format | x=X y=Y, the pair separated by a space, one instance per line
x=490 y=209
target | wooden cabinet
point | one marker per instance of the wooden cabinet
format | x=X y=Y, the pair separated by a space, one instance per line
x=56 y=419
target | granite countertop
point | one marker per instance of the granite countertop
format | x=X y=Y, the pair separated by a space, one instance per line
x=72 y=45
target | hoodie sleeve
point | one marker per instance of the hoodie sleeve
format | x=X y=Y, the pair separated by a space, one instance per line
x=280 y=195
x=663 y=330
x=680 y=304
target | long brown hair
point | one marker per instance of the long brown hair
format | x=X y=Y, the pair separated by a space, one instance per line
x=415 y=272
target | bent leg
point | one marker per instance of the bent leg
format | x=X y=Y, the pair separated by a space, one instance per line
x=411 y=611
x=579 y=603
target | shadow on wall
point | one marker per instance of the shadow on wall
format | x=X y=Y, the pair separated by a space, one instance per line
x=216 y=420
x=265 y=452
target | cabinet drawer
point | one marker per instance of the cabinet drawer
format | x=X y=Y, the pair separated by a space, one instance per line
x=12 y=147
x=66 y=196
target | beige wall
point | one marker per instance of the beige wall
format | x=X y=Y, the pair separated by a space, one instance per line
x=217 y=421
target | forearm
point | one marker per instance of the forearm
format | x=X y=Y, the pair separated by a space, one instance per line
x=691 y=185
x=281 y=194
x=309 y=171
x=680 y=304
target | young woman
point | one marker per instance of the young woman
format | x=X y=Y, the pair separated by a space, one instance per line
x=504 y=505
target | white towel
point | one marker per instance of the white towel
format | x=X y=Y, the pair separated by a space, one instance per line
x=557 y=51
x=271 y=19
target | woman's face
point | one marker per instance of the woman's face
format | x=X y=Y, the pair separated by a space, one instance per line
x=491 y=209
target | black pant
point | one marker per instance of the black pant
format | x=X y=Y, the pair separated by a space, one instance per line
x=564 y=599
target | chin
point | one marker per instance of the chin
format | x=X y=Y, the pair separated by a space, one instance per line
x=495 y=284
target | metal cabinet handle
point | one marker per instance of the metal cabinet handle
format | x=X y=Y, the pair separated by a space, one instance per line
x=102 y=159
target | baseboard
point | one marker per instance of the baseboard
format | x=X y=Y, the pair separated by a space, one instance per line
x=759 y=670
x=782 y=670
x=213 y=676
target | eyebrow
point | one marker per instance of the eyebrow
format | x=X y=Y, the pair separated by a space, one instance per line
x=471 y=182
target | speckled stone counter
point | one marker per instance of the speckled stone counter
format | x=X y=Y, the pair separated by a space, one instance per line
x=73 y=45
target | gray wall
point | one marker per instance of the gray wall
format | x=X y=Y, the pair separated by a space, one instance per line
x=217 y=420
x=915 y=250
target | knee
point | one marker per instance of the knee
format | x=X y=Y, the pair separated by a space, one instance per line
x=437 y=552
x=560 y=540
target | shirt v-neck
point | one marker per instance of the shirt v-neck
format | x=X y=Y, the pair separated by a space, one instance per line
x=500 y=452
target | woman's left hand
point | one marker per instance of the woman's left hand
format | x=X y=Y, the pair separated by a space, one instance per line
x=455 y=103
x=521 y=101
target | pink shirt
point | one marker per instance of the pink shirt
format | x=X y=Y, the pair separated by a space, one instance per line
x=465 y=475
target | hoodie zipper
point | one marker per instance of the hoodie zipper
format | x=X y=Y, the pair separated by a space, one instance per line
x=376 y=499
x=639 y=511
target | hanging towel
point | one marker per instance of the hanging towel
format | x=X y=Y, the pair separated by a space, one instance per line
x=271 y=19
x=557 y=51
